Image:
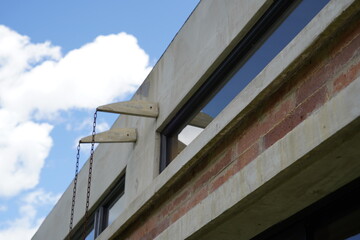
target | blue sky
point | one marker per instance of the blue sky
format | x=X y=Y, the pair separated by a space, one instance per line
x=59 y=60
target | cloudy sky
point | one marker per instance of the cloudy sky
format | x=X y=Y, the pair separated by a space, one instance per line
x=59 y=60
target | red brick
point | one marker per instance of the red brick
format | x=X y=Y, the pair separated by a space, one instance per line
x=183 y=196
x=277 y=114
x=346 y=78
x=180 y=212
x=241 y=161
x=162 y=226
x=245 y=158
x=258 y=129
x=224 y=161
x=198 y=197
x=296 y=117
x=169 y=207
x=215 y=169
x=346 y=50
x=219 y=181
x=204 y=178
x=254 y=132
x=143 y=229
x=166 y=210
x=315 y=81
x=342 y=54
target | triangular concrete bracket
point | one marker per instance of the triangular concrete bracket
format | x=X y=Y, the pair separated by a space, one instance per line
x=116 y=135
x=134 y=107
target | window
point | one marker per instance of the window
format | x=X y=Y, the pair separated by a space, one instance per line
x=90 y=235
x=106 y=213
x=89 y=231
x=111 y=207
x=273 y=31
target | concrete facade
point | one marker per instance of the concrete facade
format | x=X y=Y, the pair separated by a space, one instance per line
x=289 y=139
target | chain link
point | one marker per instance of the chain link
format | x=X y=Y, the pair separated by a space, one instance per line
x=89 y=177
x=74 y=191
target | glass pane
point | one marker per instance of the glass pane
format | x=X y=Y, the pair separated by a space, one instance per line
x=239 y=78
x=91 y=235
x=276 y=42
x=115 y=210
x=355 y=237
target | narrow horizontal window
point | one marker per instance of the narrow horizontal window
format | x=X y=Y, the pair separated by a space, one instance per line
x=274 y=30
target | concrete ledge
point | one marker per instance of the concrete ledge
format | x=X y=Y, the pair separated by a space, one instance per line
x=286 y=178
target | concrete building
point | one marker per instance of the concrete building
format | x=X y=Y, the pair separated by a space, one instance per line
x=256 y=136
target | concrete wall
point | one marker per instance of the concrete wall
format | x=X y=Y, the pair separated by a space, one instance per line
x=313 y=73
x=315 y=102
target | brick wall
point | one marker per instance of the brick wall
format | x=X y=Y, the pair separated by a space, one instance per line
x=332 y=69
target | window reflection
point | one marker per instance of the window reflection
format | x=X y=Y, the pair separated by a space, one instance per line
x=188 y=134
x=115 y=210
x=114 y=205
x=355 y=237
x=91 y=235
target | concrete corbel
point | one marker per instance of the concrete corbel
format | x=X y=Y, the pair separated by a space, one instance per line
x=134 y=107
x=116 y=135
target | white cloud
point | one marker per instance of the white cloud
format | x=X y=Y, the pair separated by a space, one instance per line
x=18 y=54
x=37 y=83
x=3 y=208
x=23 y=149
x=87 y=124
x=25 y=226
x=40 y=197
x=109 y=68
x=103 y=126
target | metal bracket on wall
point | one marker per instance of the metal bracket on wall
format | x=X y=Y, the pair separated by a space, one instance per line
x=134 y=107
x=116 y=135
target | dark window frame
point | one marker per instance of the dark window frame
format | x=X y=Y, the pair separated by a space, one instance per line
x=103 y=210
x=242 y=51
x=89 y=228
x=98 y=220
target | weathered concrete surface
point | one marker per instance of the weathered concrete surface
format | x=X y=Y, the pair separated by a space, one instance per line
x=328 y=168
x=239 y=105
x=202 y=37
x=175 y=77
x=316 y=158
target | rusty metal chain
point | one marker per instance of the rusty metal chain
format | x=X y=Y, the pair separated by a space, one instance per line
x=74 y=190
x=89 y=177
